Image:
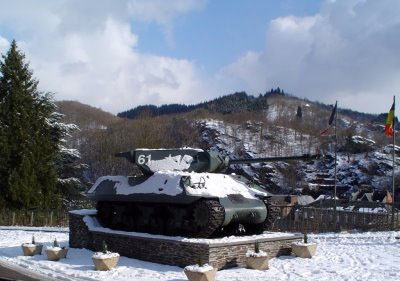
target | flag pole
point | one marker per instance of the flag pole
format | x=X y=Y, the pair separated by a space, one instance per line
x=335 y=163
x=394 y=138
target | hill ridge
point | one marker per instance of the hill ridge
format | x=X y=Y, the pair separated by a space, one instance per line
x=238 y=102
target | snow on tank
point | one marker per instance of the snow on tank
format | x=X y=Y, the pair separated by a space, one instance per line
x=172 y=163
x=172 y=183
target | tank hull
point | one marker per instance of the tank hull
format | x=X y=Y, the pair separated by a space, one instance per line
x=174 y=205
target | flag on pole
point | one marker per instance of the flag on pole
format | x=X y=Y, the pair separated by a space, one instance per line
x=330 y=120
x=389 y=122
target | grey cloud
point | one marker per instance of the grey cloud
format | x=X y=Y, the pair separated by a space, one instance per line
x=71 y=68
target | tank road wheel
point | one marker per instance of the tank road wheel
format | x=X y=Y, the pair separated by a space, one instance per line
x=129 y=219
x=273 y=213
x=174 y=222
x=103 y=213
x=254 y=228
x=208 y=216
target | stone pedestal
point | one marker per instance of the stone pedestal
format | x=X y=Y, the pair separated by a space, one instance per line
x=86 y=232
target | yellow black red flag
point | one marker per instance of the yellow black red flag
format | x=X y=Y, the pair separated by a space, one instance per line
x=389 y=130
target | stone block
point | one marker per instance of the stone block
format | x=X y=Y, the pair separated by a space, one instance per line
x=259 y=263
x=56 y=255
x=105 y=263
x=31 y=250
x=201 y=276
x=304 y=250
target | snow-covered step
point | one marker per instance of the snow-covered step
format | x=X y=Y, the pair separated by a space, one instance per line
x=320 y=185
x=328 y=187
x=320 y=174
x=323 y=181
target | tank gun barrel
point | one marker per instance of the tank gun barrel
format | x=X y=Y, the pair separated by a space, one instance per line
x=192 y=160
x=272 y=159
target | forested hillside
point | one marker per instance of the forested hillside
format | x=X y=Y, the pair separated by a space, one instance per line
x=233 y=103
x=238 y=102
x=86 y=116
x=281 y=125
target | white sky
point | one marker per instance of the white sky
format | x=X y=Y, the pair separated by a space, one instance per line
x=90 y=51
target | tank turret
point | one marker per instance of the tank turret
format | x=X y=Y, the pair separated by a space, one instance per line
x=183 y=192
x=192 y=160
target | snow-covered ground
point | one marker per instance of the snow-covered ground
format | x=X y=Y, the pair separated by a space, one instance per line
x=344 y=256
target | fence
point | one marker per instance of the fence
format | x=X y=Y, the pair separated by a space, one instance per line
x=34 y=218
x=293 y=218
x=324 y=218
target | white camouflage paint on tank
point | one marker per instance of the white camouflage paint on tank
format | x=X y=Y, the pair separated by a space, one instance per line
x=168 y=182
x=173 y=163
x=159 y=183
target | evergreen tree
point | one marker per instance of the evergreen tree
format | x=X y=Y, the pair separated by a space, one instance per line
x=27 y=150
x=299 y=113
x=70 y=181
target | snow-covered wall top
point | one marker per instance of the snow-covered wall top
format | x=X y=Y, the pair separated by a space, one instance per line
x=84 y=212
x=93 y=225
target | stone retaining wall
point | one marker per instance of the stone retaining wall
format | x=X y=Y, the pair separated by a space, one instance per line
x=79 y=234
x=234 y=254
x=173 y=252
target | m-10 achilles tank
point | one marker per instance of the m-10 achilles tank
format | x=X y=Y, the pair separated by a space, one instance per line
x=183 y=192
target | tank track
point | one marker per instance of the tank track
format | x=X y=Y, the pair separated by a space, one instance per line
x=201 y=219
x=216 y=216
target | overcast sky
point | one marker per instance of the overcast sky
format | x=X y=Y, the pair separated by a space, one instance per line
x=122 y=53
